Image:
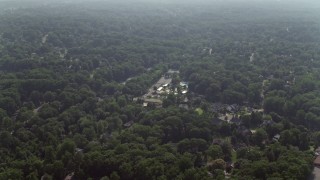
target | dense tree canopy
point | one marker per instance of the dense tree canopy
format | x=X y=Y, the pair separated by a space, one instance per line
x=72 y=78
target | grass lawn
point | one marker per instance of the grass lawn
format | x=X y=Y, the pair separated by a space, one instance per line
x=312 y=148
x=199 y=111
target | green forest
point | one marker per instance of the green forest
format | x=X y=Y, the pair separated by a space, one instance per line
x=156 y=90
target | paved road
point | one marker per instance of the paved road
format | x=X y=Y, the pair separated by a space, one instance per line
x=44 y=38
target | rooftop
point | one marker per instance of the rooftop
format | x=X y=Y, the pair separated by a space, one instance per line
x=316 y=162
x=150 y=100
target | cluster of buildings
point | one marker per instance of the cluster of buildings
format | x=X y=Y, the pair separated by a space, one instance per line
x=167 y=88
x=229 y=113
x=161 y=89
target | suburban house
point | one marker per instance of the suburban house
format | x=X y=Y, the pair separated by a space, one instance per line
x=155 y=102
x=128 y=124
x=316 y=162
x=276 y=137
x=317 y=151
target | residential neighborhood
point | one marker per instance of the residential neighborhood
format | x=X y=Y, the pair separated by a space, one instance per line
x=166 y=85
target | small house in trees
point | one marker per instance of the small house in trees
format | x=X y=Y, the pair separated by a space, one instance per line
x=128 y=124
x=233 y=108
x=217 y=141
x=316 y=162
x=317 y=151
x=69 y=176
x=276 y=137
x=154 y=102
x=78 y=150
